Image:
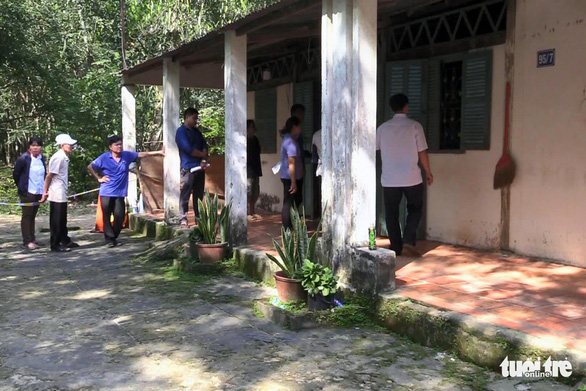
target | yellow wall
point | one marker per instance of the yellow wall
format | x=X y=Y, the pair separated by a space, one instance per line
x=548 y=141
x=548 y=213
x=462 y=207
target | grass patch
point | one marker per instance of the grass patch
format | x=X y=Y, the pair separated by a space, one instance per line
x=297 y=307
x=358 y=311
x=466 y=375
x=168 y=278
x=256 y=311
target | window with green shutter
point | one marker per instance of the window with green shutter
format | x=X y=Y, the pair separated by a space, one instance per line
x=459 y=102
x=303 y=94
x=407 y=77
x=265 y=115
x=476 y=97
x=433 y=117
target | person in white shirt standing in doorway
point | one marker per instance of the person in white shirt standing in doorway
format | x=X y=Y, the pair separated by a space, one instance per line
x=56 y=185
x=402 y=145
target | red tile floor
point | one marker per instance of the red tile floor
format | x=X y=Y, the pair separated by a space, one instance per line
x=539 y=298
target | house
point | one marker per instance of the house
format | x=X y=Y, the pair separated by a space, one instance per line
x=342 y=59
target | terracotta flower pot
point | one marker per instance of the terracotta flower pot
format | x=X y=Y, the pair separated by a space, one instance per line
x=289 y=289
x=211 y=253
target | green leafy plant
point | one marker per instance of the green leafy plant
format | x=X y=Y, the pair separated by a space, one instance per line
x=296 y=245
x=318 y=279
x=225 y=223
x=195 y=235
x=208 y=221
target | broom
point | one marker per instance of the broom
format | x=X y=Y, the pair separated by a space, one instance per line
x=505 y=168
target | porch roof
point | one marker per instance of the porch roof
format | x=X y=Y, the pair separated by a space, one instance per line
x=283 y=28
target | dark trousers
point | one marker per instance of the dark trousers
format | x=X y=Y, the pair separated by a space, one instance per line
x=289 y=200
x=392 y=196
x=27 y=222
x=113 y=206
x=192 y=185
x=58 y=224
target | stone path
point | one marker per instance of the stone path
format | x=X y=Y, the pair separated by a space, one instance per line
x=95 y=320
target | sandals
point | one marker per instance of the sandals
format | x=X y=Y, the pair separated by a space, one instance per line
x=31 y=246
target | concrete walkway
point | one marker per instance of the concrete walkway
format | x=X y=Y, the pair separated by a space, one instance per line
x=93 y=319
x=536 y=297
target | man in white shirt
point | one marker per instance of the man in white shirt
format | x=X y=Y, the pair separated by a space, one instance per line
x=56 y=185
x=402 y=145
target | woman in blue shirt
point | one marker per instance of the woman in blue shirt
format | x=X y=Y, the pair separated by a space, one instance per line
x=291 y=169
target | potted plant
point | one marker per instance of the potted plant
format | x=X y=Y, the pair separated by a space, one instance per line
x=209 y=222
x=321 y=285
x=296 y=245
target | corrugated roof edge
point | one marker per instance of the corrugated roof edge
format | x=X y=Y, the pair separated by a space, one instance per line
x=153 y=62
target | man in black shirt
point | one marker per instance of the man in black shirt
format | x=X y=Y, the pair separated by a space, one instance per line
x=253 y=167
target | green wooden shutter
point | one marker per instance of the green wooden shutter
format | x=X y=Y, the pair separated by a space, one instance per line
x=432 y=127
x=476 y=98
x=407 y=77
x=265 y=115
x=303 y=94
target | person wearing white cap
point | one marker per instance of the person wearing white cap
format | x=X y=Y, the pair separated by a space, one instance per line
x=56 y=184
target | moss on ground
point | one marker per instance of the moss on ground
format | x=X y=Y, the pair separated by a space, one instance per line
x=256 y=311
x=466 y=375
x=357 y=311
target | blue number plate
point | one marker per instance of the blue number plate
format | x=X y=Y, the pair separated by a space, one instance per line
x=546 y=58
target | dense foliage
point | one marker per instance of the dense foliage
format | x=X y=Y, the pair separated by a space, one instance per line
x=60 y=63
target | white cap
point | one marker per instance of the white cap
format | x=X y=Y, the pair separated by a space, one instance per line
x=64 y=139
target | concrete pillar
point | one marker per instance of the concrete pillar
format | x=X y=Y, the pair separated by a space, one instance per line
x=129 y=138
x=235 y=122
x=170 y=124
x=327 y=193
x=349 y=101
x=341 y=122
x=349 y=68
x=363 y=138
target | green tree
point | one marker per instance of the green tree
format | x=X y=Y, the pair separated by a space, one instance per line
x=60 y=63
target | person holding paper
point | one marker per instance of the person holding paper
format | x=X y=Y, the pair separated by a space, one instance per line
x=291 y=169
x=193 y=152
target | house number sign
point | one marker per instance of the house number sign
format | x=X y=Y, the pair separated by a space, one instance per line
x=546 y=58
